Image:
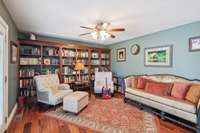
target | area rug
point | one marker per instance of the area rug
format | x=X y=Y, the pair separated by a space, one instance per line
x=110 y=116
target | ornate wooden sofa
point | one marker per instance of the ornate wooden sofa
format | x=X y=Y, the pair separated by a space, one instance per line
x=179 y=111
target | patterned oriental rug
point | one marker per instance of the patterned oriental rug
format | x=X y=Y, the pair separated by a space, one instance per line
x=110 y=116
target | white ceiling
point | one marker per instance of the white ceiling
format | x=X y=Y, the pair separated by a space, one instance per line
x=62 y=18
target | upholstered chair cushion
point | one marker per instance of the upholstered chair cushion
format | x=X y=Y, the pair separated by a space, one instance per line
x=180 y=90
x=141 y=82
x=63 y=87
x=193 y=94
x=162 y=89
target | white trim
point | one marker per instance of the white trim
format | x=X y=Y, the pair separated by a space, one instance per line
x=10 y=118
x=5 y=69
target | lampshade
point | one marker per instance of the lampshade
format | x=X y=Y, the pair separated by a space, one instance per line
x=79 y=66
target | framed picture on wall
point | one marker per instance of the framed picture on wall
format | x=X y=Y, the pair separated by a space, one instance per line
x=13 y=52
x=121 y=54
x=158 y=56
x=194 y=44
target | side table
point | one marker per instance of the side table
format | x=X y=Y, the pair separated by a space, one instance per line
x=82 y=86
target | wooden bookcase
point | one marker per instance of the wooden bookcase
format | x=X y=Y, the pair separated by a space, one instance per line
x=43 y=57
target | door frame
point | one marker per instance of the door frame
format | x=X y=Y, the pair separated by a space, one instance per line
x=5 y=74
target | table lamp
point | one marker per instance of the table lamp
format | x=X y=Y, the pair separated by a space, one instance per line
x=79 y=67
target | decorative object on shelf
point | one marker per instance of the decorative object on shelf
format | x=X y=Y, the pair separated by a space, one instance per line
x=47 y=62
x=79 y=67
x=121 y=54
x=194 y=44
x=102 y=31
x=158 y=56
x=13 y=52
x=32 y=36
x=135 y=49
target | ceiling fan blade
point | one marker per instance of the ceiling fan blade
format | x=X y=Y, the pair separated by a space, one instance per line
x=87 y=27
x=85 y=34
x=112 y=36
x=117 y=29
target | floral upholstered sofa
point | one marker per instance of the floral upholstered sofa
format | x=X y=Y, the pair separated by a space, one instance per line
x=169 y=94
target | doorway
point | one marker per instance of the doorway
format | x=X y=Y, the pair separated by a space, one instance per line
x=3 y=74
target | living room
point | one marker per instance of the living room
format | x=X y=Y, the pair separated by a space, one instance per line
x=99 y=66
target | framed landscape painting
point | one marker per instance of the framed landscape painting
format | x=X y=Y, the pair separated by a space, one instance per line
x=121 y=54
x=158 y=56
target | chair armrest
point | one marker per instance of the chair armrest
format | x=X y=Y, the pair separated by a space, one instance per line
x=43 y=89
x=63 y=87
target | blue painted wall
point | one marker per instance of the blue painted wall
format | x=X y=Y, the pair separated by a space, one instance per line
x=185 y=63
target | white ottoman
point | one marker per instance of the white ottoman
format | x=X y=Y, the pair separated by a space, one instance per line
x=75 y=102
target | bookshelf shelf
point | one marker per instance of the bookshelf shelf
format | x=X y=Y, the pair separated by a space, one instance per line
x=56 y=57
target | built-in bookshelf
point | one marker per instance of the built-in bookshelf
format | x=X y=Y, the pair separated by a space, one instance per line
x=42 y=57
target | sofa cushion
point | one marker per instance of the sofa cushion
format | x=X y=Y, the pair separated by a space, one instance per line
x=162 y=89
x=193 y=94
x=134 y=82
x=169 y=101
x=180 y=90
x=141 y=82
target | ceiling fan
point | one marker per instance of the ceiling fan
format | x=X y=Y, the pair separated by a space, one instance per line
x=102 y=31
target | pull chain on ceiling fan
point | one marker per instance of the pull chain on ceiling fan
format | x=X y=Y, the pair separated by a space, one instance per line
x=101 y=31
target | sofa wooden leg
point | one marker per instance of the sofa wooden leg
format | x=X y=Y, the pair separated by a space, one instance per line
x=125 y=100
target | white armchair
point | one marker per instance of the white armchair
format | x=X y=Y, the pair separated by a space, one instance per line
x=100 y=82
x=49 y=89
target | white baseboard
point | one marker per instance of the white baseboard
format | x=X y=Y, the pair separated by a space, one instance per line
x=10 y=118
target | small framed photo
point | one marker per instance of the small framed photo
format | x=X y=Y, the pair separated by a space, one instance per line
x=158 y=56
x=194 y=44
x=121 y=54
x=13 y=52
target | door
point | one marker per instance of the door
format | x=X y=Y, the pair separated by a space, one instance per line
x=3 y=74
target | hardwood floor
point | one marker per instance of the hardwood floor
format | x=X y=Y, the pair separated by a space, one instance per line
x=34 y=121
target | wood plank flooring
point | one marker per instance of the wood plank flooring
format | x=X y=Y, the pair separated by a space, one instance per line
x=34 y=121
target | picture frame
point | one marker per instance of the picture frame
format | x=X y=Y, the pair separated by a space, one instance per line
x=158 y=56
x=13 y=52
x=194 y=44
x=121 y=54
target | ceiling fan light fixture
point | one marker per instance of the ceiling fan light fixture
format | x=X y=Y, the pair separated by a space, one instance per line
x=94 y=35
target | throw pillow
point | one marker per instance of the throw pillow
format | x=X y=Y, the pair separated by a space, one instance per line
x=134 y=82
x=179 y=90
x=141 y=82
x=193 y=94
x=162 y=89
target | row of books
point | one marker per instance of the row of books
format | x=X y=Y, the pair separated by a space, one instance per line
x=105 y=62
x=84 y=77
x=68 y=61
x=51 y=51
x=26 y=72
x=69 y=79
x=47 y=71
x=84 y=61
x=68 y=70
x=30 y=50
x=105 y=55
x=95 y=62
x=93 y=70
x=27 y=92
x=30 y=61
x=83 y=54
x=68 y=53
x=53 y=61
x=26 y=83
